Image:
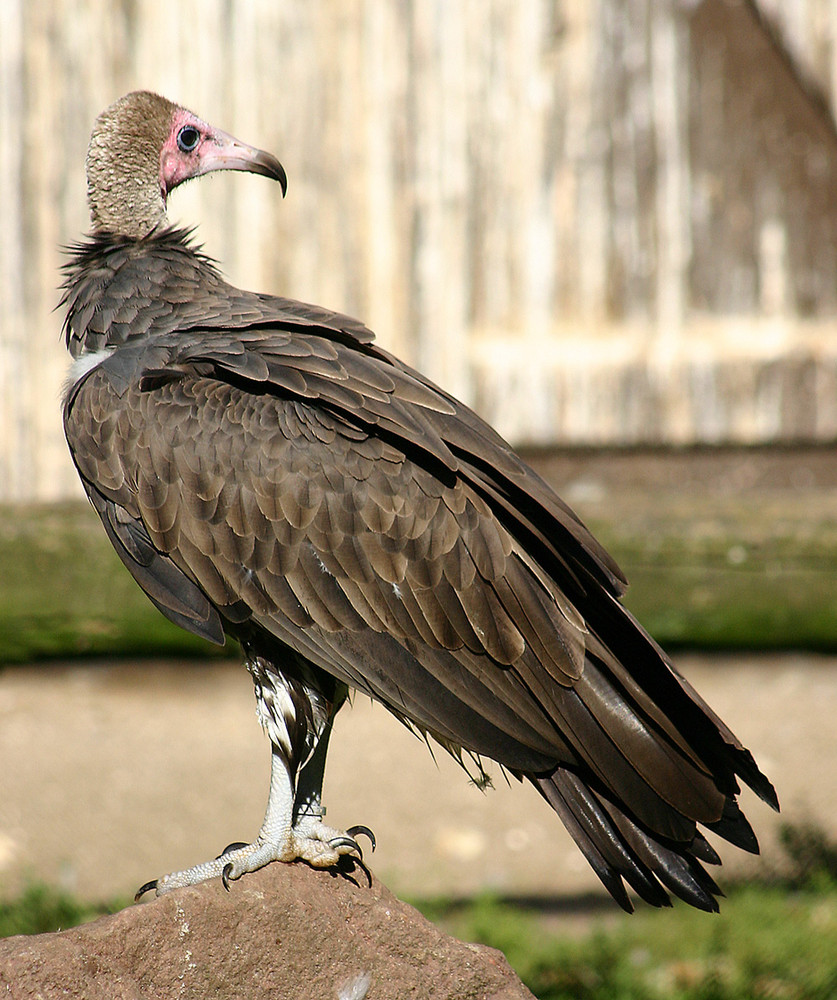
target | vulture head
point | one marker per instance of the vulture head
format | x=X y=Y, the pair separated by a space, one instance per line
x=142 y=147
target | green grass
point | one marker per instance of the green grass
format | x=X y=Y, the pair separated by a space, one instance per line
x=766 y=942
x=743 y=578
x=41 y=908
x=773 y=939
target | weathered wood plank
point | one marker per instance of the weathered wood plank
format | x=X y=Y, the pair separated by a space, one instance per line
x=598 y=221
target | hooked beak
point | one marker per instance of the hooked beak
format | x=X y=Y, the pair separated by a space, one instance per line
x=221 y=151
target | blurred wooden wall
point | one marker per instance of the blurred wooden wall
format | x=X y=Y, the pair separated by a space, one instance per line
x=599 y=221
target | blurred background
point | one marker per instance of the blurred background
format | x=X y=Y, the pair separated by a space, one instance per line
x=608 y=225
x=601 y=223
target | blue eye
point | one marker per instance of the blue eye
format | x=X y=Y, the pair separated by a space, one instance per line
x=188 y=138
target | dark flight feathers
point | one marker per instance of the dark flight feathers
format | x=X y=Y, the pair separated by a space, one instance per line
x=263 y=468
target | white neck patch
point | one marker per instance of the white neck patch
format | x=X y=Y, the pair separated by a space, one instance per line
x=83 y=364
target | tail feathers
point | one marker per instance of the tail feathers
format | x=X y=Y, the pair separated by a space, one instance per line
x=735 y=827
x=749 y=772
x=620 y=851
x=640 y=666
x=704 y=851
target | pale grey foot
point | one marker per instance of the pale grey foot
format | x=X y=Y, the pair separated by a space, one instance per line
x=292 y=830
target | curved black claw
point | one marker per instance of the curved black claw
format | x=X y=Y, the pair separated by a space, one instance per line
x=353 y=831
x=225 y=874
x=349 y=842
x=143 y=889
x=234 y=846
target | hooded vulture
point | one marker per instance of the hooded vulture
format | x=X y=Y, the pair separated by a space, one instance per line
x=265 y=471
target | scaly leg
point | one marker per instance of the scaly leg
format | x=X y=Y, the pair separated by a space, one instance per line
x=292 y=829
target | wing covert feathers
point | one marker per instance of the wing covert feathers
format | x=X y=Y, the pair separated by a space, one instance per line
x=263 y=469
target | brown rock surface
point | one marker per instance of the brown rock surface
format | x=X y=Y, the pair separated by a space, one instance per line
x=283 y=932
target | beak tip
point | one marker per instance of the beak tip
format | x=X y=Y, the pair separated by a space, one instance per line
x=274 y=169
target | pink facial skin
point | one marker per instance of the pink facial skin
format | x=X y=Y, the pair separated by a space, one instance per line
x=182 y=157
